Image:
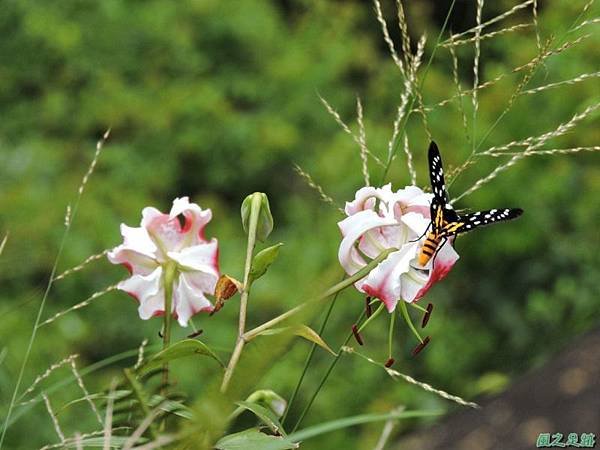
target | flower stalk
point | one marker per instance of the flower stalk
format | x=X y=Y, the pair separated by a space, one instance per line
x=249 y=335
x=170 y=273
x=256 y=201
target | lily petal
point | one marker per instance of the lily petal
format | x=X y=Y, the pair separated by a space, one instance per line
x=189 y=300
x=442 y=264
x=165 y=231
x=148 y=290
x=353 y=228
x=201 y=257
x=196 y=219
x=137 y=251
x=384 y=281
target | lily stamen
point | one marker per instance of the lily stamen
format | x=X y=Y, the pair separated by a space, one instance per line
x=421 y=346
x=427 y=315
x=357 y=335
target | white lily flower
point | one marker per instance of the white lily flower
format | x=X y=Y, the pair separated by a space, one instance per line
x=379 y=219
x=162 y=245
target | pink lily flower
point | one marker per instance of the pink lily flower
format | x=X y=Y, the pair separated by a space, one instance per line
x=379 y=219
x=175 y=240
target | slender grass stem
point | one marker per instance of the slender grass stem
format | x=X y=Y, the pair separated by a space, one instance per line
x=414 y=97
x=309 y=358
x=68 y=224
x=325 y=377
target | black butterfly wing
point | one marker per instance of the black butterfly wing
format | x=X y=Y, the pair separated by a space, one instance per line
x=440 y=210
x=470 y=221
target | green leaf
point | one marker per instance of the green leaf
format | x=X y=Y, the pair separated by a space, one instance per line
x=265 y=415
x=181 y=349
x=263 y=260
x=253 y=439
x=265 y=219
x=346 y=422
x=302 y=331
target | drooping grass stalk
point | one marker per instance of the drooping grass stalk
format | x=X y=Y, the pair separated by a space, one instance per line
x=241 y=340
x=533 y=72
x=68 y=223
x=544 y=52
x=395 y=375
x=309 y=359
x=27 y=405
x=414 y=96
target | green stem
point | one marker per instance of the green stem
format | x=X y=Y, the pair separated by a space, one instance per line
x=325 y=377
x=391 y=333
x=333 y=364
x=249 y=335
x=170 y=271
x=420 y=308
x=373 y=316
x=241 y=339
x=408 y=320
x=309 y=358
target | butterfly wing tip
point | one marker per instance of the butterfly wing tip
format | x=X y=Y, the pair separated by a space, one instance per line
x=433 y=148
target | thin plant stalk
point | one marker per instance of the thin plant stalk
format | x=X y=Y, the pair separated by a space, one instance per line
x=169 y=279
x=249 y=335
x=373 y=317
x=309 y=359
x=391 y=333
x=241 y=339
x=68 y=224
x=325 y=377
x=408 y=320
x=414 y=97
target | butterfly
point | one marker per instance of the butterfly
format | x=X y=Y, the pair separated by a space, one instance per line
x=445 y=221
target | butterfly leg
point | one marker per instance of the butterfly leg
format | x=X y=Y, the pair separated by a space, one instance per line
x=424 y=233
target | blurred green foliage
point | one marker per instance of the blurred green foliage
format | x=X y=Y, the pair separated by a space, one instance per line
x=216 y=100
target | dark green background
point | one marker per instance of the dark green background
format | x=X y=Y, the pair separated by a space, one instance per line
x=216 y=100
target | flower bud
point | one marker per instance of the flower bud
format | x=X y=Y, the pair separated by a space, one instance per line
x=270 y=399
x=265 y=219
